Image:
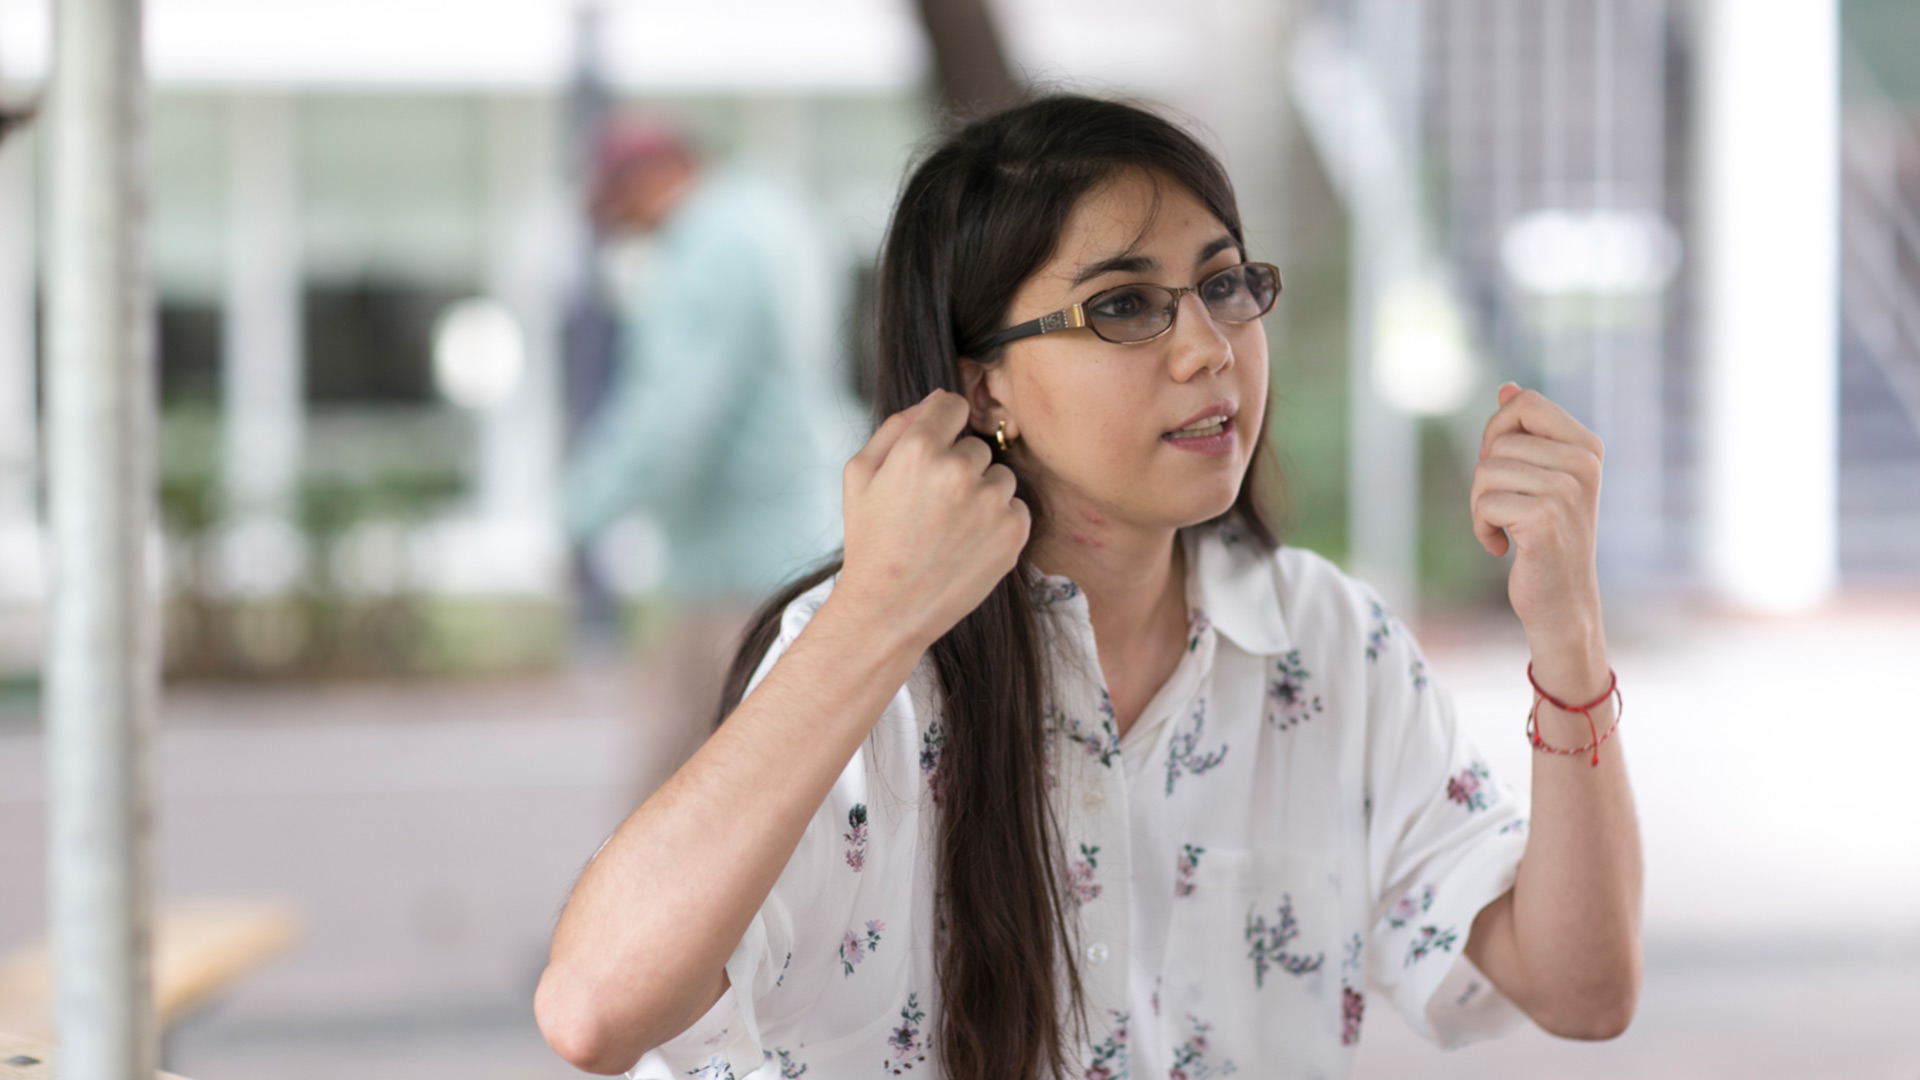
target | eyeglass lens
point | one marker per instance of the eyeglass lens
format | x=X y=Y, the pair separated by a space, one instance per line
x=1134 y=313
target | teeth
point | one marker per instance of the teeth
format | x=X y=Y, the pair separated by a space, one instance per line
x=1204 y=427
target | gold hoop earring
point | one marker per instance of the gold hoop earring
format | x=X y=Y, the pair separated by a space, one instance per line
x=1000 y=436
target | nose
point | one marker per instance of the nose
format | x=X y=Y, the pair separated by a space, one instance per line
x=1198 y=343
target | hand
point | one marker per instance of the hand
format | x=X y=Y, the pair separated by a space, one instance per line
x=932 y=524
x=1537 y=490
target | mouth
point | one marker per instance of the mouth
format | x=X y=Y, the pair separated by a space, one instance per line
x=1211 y=422
x=1204 y=429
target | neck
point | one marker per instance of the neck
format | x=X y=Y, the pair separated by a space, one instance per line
x=1132 y=578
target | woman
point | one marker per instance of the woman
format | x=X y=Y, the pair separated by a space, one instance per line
x=1067 y=768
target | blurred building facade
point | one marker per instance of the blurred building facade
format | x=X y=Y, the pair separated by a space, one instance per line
x=1488 y=190
x=351 y=480
x=344 y=488
x=1668 y=216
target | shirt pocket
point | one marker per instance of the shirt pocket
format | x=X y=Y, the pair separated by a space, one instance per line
x=1252 y=974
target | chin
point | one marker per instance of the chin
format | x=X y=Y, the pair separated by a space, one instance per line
x=1178 y=499
x=1199 y=507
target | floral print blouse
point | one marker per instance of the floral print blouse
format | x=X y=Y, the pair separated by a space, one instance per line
x=1292 y=828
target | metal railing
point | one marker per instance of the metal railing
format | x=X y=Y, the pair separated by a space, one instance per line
x=1880 y=232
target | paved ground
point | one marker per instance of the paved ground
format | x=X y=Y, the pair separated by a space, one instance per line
x=430 y=832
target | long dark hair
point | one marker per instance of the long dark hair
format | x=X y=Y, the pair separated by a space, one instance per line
x=980 y=215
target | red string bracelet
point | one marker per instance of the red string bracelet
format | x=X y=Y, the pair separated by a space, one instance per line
x=1533 y=716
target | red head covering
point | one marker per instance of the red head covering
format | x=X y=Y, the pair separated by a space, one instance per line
x=625 y=148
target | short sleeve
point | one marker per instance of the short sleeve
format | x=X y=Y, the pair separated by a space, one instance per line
x=837 y=909
x=1444 y=840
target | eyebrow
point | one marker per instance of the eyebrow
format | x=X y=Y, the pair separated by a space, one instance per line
x=1141 y=264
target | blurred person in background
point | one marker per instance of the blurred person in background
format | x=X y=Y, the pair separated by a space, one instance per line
x=726 y=421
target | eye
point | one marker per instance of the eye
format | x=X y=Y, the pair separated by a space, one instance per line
x=1120 y=304
x=1222 y=286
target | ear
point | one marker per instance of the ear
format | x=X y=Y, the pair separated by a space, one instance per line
x=979 y=384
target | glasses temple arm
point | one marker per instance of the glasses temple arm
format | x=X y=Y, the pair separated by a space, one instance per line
x=1068 y=318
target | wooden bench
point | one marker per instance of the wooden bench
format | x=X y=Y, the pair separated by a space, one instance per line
x=198 y=948
x=23 y=1060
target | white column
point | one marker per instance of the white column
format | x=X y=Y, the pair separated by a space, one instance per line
x=1769 y=212
x=520 y=435
x=1348 y=118
x=1387 y=253
x=20 y=575
x=1383 y=443
x=102 y=665
x=263 y=411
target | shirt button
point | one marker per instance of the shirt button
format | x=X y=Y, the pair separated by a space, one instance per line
x=1097 y=953
x=1094 y=799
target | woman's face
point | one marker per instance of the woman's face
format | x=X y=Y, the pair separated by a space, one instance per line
x=1098 y=424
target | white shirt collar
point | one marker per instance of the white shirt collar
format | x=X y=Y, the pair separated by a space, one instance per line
x=1232 y=579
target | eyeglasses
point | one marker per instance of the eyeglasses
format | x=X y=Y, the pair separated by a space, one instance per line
x=1130 y=314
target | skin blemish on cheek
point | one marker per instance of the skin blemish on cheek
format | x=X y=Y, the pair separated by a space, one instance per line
x=1093 y=517
x=1084 y=540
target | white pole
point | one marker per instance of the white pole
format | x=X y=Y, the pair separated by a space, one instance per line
x=520 y=431
x=520 y=435
x=1351 y=91
x=1383 y=447
x=1383 y=443
x=1769 y=211
x=263 y=411
x=102 y=671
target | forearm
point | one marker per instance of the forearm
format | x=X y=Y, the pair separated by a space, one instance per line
x=641 y=947
x=1572 y=929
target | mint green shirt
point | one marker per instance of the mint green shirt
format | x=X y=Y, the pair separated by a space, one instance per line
x=728 y=422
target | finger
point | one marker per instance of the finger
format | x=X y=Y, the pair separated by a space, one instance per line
x=867 y=460
x=973 y=449
x=1525 y=478
x=1547 y=453
x=1495 y=514
x=1515 y=403
x=1490 y=535
x=1001 y=479
x=1503 y=510
x=1497 y=482
x=1531 y=412
x=1023 y=517
x=930 y=435
x=944 y=417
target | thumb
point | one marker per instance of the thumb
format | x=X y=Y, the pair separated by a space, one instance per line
x=1508 y=391
x=869 y=458
x=1491 y=537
